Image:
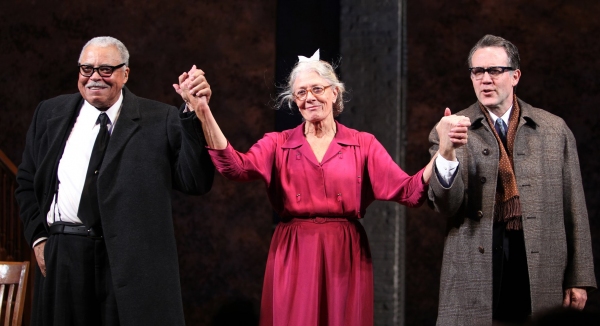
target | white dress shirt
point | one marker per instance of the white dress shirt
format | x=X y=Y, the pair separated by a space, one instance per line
x=73 y=164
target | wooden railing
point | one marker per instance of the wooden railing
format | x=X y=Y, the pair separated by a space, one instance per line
x=13 y=246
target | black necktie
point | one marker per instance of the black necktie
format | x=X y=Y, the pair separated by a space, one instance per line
x=500 y=127
x=89 y=211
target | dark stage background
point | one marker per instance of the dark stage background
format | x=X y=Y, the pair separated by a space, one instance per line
x=223 y=237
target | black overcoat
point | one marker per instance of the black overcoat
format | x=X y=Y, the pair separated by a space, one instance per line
x=153 y=149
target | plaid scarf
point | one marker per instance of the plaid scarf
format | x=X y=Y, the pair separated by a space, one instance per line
x=507 y=208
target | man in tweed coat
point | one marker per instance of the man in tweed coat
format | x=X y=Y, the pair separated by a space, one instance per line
x=518 y=239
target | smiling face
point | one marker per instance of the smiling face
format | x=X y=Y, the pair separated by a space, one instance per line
x=102 y=92
x=315 y=107
x=496 y=94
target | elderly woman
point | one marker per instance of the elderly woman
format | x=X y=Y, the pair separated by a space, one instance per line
x=320 y=177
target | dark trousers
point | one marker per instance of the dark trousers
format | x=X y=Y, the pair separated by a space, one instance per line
x=77 y=289
x=512 y=296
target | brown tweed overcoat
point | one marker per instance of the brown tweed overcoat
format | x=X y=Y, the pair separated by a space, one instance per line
x=555 y=220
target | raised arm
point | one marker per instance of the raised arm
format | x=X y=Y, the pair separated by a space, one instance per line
x=195 y=91
x=452 y=134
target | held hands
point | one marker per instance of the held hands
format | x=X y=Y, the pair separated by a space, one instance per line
x=194 y=89
x=452 y=132
x=196 y=92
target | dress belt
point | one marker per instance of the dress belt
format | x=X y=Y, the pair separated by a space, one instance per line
x=320 y=220
x=75 y=229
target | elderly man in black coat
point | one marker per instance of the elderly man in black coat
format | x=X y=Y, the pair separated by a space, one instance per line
x=95 y=197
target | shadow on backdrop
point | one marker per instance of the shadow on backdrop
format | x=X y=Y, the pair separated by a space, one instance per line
x=236 y=312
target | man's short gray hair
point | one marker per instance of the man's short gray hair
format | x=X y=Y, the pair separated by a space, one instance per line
x=492 y=41
x=105 y=41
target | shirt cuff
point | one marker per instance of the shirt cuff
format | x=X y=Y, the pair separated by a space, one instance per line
x=39 y=240
x=446 y=170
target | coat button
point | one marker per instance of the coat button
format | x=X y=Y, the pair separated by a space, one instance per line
x=479 y=214
x=483 y=179
x=481 y=249
x=485 y=152
x=96 y=172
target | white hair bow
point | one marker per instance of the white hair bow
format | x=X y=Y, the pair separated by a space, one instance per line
x=315 y=57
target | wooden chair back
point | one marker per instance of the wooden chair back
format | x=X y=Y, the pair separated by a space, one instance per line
x=13 y=276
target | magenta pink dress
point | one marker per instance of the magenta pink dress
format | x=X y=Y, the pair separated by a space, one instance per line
x=319 y=269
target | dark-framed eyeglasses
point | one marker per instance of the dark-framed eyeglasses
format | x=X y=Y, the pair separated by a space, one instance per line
x=103 y=71
x=494 y=72
x=316 y=90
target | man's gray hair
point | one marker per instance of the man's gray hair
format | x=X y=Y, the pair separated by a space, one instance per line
x=488 y=41
x=106 y=41
x=326 y=71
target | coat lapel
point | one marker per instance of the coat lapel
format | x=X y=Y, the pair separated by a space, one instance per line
x=480 y=127
x=125 y=128
x=528 y=116
x=58 y=129
x=479 y=123
x=59 y=125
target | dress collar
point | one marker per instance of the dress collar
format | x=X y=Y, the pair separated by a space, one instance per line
x=343 y=136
